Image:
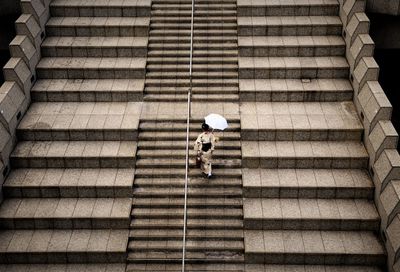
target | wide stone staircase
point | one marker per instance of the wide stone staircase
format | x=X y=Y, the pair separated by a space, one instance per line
x=214 y=51
x=308 y=199
x=97 y=180
x=68 y=198
x=215 y=217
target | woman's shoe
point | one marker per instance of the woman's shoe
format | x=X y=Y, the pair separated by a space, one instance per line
x=209 y=176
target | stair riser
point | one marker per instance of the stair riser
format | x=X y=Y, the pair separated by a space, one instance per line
x=296 y=73
x=198 y=20
x=77 y=134
x=208 y=53
x=188 y=237
x=190 y=205
x=194 y=99
x=202 y=76
x=62 y=257
x=181 y=138
x=90 y=73
x=63 y=162
x=295 y=30
x=96 y=52
x=200 y=83
x=86 y=96
x=309 y=224
x=307 y=163
x=296 y=96
x=180 y=175
x=315 y=258
x=99 y=11
x=64 y=223
x=199 y=33
x=67 y=192
x=280 y=51
x=183 y=155
x=320 y=192
x=177 y=165
x=180 y=216
x=295 y=134
x=295 y=10
x=103 y=31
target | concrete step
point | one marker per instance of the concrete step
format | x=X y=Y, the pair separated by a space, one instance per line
x=307 y=183
x=176 y=213
x=117 y=267
x=210 y=18
x=95 y=47
x=197 y=82
x=149 y=192
x=180 y=173
x=162 y=258
x=222 y=146
x=289 y=46
x=180 y=154
x=313 y=247
x=168 y=32
x=65 y=213
x=173 y=126
x=130 y=8
x=310 y=214
x=199 y=246
x=304 y=154
x=205 y=224
x=65 y=121
x=316 y=268
x=98 y=26
x=217 y=10
x=249 y=267
x=300 y=121
x=192 y=234
x=77 y=246
x=195 y=98
x=200 y=7
x=88 y=90
x=166 y=202
x=201 y=27
x=203 y=69
x=72 y=154
x=176 y=163
x=293 y=68
x=174 y=40
x=195 y=183
x=224 y=91
x=169 y=51
x=295 y=90
x=289 y=26
x=181 y=135
x=197 y=62
x=91 y=68
x=201 y=75
x=63 y=183
x=287 y=8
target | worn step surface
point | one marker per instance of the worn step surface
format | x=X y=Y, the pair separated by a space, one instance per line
x=63 y=246
x=72 y=154
x=95 y=47
x=91 y=68
x=88 y=90
x=313 y=247
x=65 y=213
x=98 y=26
x=74 y=183
x=307 y=183
x=295 y=90
x=304 y=154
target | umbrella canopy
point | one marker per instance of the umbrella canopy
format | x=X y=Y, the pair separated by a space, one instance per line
x=216 y=121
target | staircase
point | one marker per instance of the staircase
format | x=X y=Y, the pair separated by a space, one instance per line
x=214 y=51
x=308 y=199
x=215 y=217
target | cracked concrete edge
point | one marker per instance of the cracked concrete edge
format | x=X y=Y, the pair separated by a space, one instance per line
x=19 y=73
x=375 y=111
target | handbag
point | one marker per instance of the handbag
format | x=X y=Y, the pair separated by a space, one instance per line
x=198 y=161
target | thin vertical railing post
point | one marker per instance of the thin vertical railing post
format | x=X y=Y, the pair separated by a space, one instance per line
x=189 y=113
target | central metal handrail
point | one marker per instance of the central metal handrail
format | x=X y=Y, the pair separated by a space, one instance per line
x=187 y=138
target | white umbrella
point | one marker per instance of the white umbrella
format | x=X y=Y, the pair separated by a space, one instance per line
x=216 y=121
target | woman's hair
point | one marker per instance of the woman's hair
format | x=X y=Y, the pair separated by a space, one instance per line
x=205 y=127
